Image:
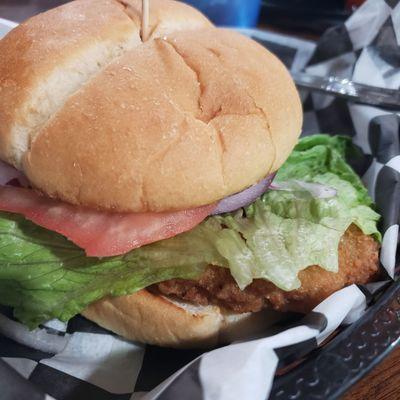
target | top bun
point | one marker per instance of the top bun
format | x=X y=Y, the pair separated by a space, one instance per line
x=96 y=117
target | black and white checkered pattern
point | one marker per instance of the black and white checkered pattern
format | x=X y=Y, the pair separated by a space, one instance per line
x=79 y=360
x=365 y=49
x=72 y=361
x=85 y=362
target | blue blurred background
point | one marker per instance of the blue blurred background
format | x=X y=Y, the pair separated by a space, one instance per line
x=294 y=16
x=240 y=13
x=305 y=16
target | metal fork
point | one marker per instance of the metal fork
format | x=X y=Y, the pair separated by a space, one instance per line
x=357 y=92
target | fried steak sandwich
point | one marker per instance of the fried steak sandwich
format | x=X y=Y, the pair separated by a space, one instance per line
x=159 y=187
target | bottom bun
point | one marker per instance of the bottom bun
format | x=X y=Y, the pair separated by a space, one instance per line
x=155 y=319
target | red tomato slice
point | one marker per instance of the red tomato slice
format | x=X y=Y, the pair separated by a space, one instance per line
x=100 y=234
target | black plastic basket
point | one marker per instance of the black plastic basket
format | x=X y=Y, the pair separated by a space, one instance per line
x=332 y=369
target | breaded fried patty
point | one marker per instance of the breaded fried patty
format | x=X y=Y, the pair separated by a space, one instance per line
x=358 y=263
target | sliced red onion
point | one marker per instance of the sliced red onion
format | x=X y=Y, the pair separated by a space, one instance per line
x=317 y=190
x=243 y=198
x=9 y=173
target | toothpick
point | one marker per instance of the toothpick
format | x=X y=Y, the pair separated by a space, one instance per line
x=145 y=20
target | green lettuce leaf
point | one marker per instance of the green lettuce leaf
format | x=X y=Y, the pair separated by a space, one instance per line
x=317 y=155
x=285 y=232
x=44 y=276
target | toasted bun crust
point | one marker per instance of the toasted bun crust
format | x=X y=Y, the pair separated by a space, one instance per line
x=153 y=319
x=95 y=117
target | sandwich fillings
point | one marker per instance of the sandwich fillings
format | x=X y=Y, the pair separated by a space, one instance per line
x=43 y=275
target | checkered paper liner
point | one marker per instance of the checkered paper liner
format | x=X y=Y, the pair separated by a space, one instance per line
x=80 y=360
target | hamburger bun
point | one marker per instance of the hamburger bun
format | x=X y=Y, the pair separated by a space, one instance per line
x=173 y=323
x=95 y=117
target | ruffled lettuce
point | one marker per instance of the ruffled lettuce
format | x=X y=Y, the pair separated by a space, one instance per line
x=44 y=276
